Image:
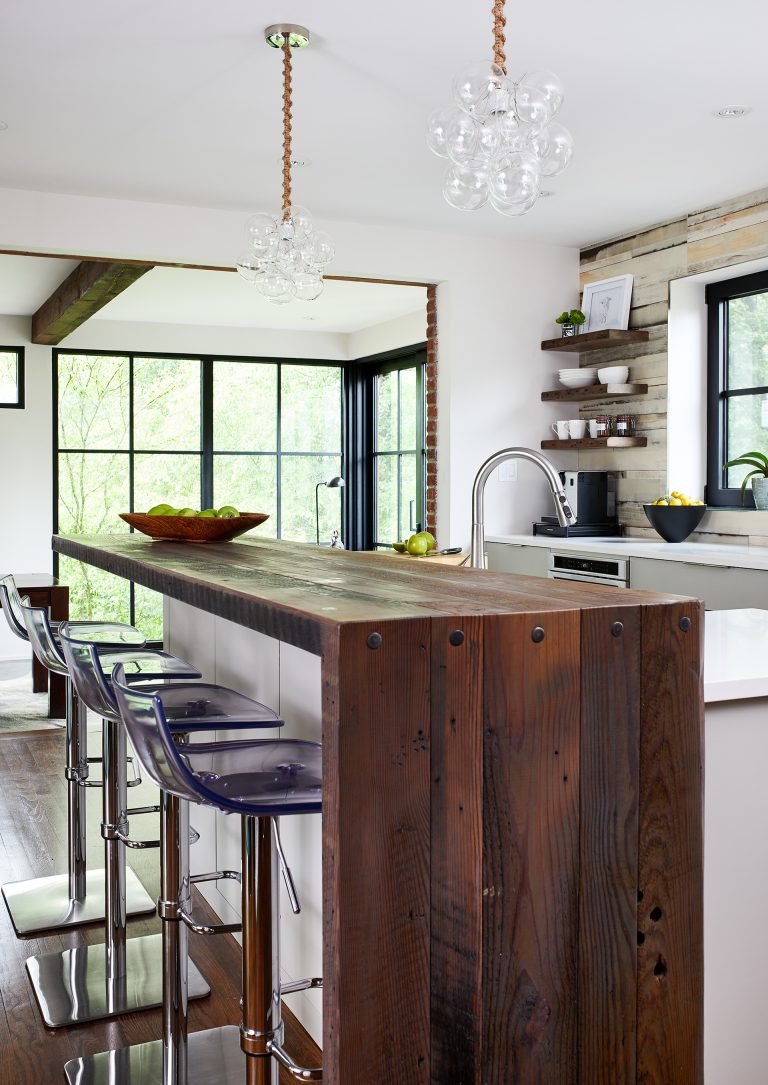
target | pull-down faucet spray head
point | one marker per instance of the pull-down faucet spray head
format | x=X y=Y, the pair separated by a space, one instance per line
x=564 y=512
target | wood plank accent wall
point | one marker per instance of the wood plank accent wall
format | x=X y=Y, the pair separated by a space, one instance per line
x=718 y=237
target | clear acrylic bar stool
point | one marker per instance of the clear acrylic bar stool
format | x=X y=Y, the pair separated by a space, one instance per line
x=77 y=897
x=123 y=975
x=259 y=780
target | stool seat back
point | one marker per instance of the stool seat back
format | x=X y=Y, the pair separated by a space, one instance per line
x=11 y=604
x=259 y=777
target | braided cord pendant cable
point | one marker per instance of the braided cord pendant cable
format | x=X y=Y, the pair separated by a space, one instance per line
x=287 y=126
x=499 y=41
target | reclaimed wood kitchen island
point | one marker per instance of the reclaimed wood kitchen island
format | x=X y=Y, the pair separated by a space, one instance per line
x=512 y=809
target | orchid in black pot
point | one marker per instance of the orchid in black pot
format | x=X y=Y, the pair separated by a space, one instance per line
x=570 y=321
x=758 y=461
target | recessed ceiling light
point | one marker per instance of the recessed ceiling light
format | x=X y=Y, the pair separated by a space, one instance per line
x=729 y=111
x=3 y=126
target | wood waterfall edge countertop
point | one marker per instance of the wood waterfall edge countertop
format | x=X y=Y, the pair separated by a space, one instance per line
x=299 y=593
x=512 y=832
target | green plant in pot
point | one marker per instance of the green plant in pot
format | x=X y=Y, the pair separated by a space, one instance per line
x=570 y=321
x=758 y=461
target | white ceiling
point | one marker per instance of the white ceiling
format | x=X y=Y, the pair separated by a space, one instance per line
x=27 y=281
x=218 y=298
x=214 y=298
x=179 y=101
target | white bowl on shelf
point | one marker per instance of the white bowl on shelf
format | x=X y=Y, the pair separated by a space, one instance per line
x=613 y=374
x=579 y=380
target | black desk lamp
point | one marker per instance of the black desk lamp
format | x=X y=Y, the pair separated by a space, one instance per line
x=332 y=484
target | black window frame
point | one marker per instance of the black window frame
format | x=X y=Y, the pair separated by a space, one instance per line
x=717 y=296
x=20 y=378
x=360 y=497
x=206 y=452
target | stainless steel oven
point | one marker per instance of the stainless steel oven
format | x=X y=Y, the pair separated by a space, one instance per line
x=613 y=572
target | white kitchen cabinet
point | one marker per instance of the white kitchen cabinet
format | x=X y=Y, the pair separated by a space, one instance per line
x=721 y=587
x=516 y=558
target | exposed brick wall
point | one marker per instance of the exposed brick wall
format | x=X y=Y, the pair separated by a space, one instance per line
x=431 y=444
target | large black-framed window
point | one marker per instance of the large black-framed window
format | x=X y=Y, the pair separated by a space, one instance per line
x=737 y=396
x=12 y=377
x=386 y=447
x=133 y=429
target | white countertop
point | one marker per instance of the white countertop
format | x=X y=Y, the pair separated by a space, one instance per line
x=736 y=557
x=735 y=654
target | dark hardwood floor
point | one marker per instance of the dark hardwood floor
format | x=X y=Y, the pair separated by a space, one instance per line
x=33 y=844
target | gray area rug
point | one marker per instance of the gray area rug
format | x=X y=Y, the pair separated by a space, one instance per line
x=20 y=708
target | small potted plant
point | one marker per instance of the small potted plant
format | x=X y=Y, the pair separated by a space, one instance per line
x=758 y=461
x=570 y=321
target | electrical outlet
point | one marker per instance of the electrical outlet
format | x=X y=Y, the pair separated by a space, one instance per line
x=508 y=471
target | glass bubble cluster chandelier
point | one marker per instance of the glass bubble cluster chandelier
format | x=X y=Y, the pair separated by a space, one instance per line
x=500 y=135
x=286 y=256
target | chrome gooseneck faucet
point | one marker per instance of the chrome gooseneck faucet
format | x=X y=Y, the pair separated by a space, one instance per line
x=564 y=513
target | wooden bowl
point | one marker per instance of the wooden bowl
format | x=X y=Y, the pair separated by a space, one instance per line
x=193 y=528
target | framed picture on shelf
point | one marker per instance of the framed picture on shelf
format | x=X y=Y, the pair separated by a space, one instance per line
x=606 y=303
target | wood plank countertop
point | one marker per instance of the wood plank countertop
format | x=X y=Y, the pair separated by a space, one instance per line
x=512 y=808
x=301 y=593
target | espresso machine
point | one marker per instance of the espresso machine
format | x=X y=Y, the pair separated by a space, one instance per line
x=592 y=496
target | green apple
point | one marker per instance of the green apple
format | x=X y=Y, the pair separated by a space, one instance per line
x=431 y=544
x=417 y=546
x=161 y=510
x=228 y=512
x=188 y=512
x=208 y=512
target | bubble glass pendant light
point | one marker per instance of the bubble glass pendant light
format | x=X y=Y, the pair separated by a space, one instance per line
x=285 y=256
x=499 y=134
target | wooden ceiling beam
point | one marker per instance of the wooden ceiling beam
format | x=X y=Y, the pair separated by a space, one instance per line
x=89 y=288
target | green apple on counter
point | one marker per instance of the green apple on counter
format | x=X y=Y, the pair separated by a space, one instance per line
x=226 y=512
x=417 y=545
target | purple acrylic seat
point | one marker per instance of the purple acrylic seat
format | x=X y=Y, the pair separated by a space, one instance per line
x=260 y=779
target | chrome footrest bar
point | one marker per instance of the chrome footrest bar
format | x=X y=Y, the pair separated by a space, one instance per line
x=216 y=876
x=301 y=1073
x=301 y=985
x=208 y=928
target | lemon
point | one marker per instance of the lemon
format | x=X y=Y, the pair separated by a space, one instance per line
x=675 y=501
x=662 y=501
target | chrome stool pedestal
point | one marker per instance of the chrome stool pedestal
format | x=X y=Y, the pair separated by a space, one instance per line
x=67 y=900
x=88 y=983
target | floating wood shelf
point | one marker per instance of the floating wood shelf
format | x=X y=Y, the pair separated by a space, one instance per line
x=593 y=391
x=597 y=442
x=611 y=337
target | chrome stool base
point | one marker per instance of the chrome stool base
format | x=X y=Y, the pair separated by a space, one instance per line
x=71 y=987
x=44 y=904
x=213 y=1056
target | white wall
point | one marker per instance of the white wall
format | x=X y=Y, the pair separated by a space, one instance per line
x=496 y=301
x=25 y=471
x=403 y=331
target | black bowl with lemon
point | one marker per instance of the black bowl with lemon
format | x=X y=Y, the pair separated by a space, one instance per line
x=675 y=517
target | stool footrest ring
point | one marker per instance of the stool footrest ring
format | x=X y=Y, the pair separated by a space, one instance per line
x=216 y=876
x=301 y=1073
x=301 y=985
x=208 y=928
x=130 y=843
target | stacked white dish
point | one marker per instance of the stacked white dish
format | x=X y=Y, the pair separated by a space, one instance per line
x=577 y=378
